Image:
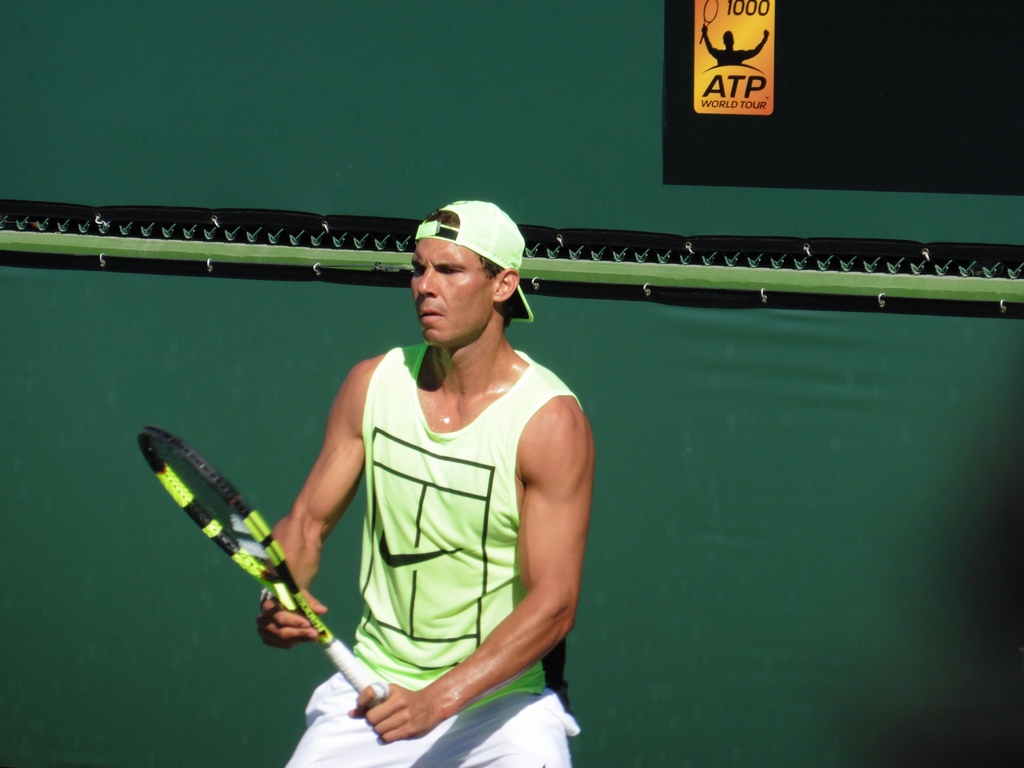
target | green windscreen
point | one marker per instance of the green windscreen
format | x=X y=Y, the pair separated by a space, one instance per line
x=797 y=541
x=805 y=547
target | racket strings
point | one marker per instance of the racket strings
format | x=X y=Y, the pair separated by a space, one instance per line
x=207 y=496
x=249 y=545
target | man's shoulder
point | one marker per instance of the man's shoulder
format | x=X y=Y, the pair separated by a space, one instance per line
x=395 y=364
x=556 y=443
x=559 y=421
x=357 y=382
x=364 y=369
x=395 y=356
x=562 y=408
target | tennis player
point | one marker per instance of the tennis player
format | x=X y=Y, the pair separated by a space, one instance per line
x=478 y=464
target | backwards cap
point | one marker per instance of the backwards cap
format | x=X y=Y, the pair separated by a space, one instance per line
x=487 y=230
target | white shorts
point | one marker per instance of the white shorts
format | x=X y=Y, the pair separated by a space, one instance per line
x=518 y=730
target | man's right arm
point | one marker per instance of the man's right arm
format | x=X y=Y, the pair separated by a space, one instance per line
x=707 y=43
x=325 y=495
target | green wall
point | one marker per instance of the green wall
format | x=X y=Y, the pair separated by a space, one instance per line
x=384 y=108
x=787 y=560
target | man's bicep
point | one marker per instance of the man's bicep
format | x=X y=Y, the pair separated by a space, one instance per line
x=331 y=485
x=556 y=458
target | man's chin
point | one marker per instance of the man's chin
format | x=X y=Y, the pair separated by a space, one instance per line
x=432 y=337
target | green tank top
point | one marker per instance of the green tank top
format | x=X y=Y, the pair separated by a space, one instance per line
x=439 y=570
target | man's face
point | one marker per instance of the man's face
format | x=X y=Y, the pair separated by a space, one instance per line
x=453 y=295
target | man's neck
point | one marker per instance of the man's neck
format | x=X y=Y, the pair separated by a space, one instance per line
x=472 y=370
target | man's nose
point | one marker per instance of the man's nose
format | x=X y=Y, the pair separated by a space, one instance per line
x=423 y=283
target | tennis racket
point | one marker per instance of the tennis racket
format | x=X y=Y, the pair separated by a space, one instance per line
x=713 y=5
x=221 y=512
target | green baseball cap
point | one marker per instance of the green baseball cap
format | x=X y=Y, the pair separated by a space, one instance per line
x=487 y=230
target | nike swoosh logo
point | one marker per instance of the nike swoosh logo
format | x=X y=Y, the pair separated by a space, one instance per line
x=398 y=561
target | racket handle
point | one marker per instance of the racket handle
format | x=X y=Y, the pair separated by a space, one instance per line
x=354 y=671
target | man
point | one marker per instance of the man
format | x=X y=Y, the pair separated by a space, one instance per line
x=729 y=56
x=479 y=470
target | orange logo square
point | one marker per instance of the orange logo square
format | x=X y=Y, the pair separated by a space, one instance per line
x=734 y=57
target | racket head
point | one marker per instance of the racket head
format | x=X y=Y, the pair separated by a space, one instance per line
x=222 y=513
x=710 y=11
x=216 y=506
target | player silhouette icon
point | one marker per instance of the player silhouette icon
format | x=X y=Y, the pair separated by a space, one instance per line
x=729 y=56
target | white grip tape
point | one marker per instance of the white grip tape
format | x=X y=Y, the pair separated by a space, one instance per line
x=354 y=671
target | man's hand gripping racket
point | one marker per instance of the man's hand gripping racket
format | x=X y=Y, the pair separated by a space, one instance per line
x=240 y=531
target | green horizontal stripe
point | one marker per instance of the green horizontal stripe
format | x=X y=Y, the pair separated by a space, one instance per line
x=535 y=271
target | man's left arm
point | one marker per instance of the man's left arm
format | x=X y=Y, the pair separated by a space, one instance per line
x=556 y=473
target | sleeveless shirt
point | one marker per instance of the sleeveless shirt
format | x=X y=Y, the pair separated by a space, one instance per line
x=439 y=567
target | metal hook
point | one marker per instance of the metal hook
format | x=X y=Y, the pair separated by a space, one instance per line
x=209 y=263
x=807 y=248
x=323 y=224
x=927 y=256
x=215 y=222
x=647 y=289
x=103 y=261
x=764 y=297
x=535 y=283
x=881 y=299
x=689 y=247
x=316 y=269
x=1002 y=306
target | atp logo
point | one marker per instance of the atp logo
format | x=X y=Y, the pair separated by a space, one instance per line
x=734 y=57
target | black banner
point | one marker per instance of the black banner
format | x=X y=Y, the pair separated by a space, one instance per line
x=897 y=96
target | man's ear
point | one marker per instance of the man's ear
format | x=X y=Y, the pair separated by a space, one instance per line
x=505 y=284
